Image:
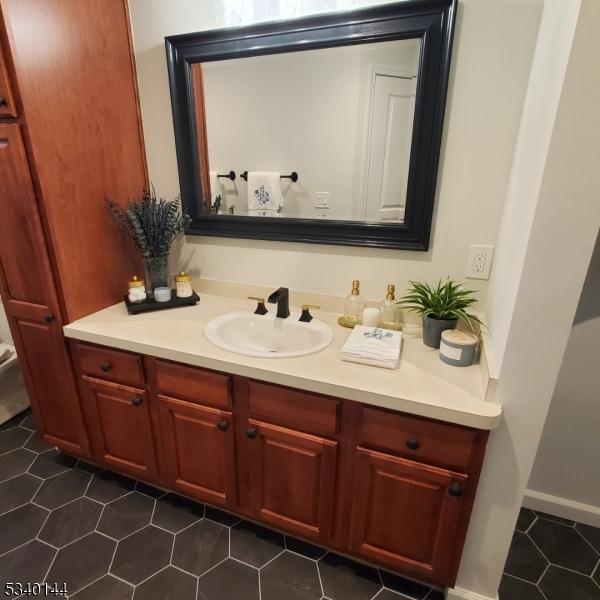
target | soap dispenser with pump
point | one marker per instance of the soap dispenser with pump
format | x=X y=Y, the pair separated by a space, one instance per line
x=353 y=307
x=389 y=313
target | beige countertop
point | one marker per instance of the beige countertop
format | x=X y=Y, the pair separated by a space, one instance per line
x=422 y=384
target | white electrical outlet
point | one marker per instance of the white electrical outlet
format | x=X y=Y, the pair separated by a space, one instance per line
x=479 y=262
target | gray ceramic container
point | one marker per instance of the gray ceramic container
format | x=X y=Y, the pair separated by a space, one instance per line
x=432 y=330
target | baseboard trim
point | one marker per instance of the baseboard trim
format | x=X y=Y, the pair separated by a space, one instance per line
x=562 y=507
x=462 y=594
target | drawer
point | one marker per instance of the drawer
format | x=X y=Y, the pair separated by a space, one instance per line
x=193 y=384
x=450 y=446
x=113 y=365
x=294 y=408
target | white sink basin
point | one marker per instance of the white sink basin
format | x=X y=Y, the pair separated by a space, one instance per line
x=267 y=336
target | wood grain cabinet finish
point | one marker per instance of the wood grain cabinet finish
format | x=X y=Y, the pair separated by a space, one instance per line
x=8 y=108
x=30 y=300
x=113 y=365
x=120 y=427
x=406 y=514
x=198 y=449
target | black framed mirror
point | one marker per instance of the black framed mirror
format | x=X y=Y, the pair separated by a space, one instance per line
x=323 y=129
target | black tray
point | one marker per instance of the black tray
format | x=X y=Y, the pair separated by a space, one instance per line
x=150 y=304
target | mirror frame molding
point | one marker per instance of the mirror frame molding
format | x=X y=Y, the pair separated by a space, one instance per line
x=432 y=21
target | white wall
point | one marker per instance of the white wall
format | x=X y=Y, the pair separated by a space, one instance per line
x=569 y=453
x=547 y=271
x=303 y=112
x=492 y=54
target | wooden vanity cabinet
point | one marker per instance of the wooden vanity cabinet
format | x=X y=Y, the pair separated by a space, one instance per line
x=8 y=108
x=389 y=488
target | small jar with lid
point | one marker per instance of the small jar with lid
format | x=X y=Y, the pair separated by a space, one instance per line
x=389 y=313
x=183 y=285
x=137 y=290
x=353 y=307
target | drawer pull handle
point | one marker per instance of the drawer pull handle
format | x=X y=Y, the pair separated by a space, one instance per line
x=48 y=318
x=105 y=366
x=456 y=490
x=136 y=400
x=3 y=102
x=251 y=433
x=223 y=425
x=413 y=444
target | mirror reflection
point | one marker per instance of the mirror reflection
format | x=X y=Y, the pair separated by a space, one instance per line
x=319 y=134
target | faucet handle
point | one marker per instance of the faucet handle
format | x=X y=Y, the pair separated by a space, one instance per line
x=306 y=317
x=261 y=309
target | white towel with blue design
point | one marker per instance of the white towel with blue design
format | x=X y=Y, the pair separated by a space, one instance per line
x=373 y=346
x=264 y=193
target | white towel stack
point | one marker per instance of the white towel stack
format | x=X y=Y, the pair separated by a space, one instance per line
x=373 y=346
x=5 y=352
x=264 y=194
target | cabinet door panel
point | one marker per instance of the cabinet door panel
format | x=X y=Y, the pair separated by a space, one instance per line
x=121 y=429
x=405 y=515
x=199 y=450
x=293 y=479
x=7 y=103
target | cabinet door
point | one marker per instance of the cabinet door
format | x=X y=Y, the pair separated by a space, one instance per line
x=406 y=514
x=120 y=427
x=29 y=297
x=198 y=450
x=293 y=479
x=7 y=103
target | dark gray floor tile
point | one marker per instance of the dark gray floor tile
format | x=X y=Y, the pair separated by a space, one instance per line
x=524 y=559
x=17 y=491
x=174 y=512
x=409 y=588
x=27 y=564
x=51 y=463
x=591 y=534
x=560 y=584
x=14 y=438
x=149 y=490
x=15 y=463
x=88 y=467
x=526 y=518
x=169 y=584
x=107 y=588
x=28 y=421
x=385 y=594
x=291 y=577
x=554 y=518
x=221 y=516
x=127 y=514
x=70 y=522
x=108 y=486
x=13 y=421
x=37 y=444
x=82 y=562
x=344 y=579
x=201 y=546
x=435 y=595
x=255 y=545
x=304 y=548
x=563 y=546
x=20 y=525
x=63 y=488
x=517 y=589
x=231 y=580
x=142 y=554
x=596 y=575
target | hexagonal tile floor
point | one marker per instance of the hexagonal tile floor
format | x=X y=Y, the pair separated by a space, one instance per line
x=552 y=559
x=109 y=537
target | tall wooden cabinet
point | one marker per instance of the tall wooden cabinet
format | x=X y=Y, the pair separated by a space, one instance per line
x=70 y=137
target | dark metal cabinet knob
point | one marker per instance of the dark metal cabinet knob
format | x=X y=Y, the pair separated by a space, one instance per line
x=456 y=490
x=3 y=102
x=413 y=443
x=49 y=318
x=136 y=400
x=223 y=425
x=251 y=432
x=105 y=366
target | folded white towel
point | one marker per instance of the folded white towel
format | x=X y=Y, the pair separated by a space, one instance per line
x=264 y=191
x=373 y=346
x=5 y=352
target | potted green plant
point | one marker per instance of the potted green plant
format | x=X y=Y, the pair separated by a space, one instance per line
x=440 y=307
x=153 y=223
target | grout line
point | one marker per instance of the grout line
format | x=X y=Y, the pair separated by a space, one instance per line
x=318 y=575
x=585 y=540
x=542 y=575
x=270 y=561
x=213 y=567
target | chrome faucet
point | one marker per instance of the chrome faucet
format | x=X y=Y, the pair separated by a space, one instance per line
x=282 y=298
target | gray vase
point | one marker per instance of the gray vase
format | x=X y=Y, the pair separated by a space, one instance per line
x=432 y=330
